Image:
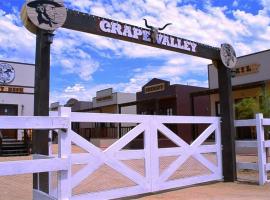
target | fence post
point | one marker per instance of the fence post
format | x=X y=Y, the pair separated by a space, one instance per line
x=64 y=151
x=261 y=149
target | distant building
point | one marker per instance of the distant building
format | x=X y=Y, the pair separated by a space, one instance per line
x=105 y=101
x=251 y=78
x=158 y=97
x=17 y=82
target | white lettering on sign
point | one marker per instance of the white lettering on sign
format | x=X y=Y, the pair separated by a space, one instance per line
x=141 y=34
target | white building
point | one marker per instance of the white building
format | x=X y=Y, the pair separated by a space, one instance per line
x=16 y=92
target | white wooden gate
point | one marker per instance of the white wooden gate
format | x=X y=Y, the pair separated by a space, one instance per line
x=145 y=170
x=151 y=168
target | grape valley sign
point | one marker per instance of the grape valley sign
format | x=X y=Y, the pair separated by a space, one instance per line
x=134 y=32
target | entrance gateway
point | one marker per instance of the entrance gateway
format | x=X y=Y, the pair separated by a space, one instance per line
x=42 y=17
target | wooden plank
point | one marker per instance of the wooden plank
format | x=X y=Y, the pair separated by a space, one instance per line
x=266 y=122
x=32 y=166
x=267 y=143
x=129 y=118
x=90 y=24
x=246 y=143
x=33 y=122
x=64 y=190
x=39 y=195
x=128 y=137
x=85 y=172
x=129 y=154
x=113 y=118
x=243 y=123
x=171 y=135
x=208 y=148
x=175 y=151
x=262 y=160
x=173 y=167
x=189 y=181
x=209 y=165
x=184 y=119
x=245 y=165
x=267 y=167
x=112 y=194
x=204 y=135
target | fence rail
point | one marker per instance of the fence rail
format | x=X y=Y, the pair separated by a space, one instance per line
x=156 y=177
x=260 y=144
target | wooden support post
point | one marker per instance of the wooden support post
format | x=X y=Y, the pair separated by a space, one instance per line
x=227 y=122
x=41 y=101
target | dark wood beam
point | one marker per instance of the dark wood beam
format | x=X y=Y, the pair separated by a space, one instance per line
x=84 y=22
x=227 y=123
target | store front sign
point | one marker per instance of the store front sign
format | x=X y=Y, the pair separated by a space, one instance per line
x=245 y=70
x=11 y=89
x=145 y=35
x=154 y=88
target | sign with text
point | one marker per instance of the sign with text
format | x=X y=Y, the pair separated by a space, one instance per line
x=137 y=33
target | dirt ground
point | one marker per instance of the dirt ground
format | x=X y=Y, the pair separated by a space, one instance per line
x=20 y=187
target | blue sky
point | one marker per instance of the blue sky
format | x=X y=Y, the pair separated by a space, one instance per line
x=82 y=63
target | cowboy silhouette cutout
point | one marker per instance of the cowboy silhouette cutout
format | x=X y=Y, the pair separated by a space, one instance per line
x=45 y=10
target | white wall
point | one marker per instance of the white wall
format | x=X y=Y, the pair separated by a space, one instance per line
x=261 y=58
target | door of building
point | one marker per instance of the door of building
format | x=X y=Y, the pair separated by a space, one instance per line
x=9 y=110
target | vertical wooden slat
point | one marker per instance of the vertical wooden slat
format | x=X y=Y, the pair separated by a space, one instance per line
x=261 y=149
x=64 y=151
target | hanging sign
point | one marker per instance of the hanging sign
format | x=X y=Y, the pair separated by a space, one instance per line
x=7 y=73
x=44 y=14
x=228 y=56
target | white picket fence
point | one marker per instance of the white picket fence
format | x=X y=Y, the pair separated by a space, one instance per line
x=261 y=144
x=153 y=179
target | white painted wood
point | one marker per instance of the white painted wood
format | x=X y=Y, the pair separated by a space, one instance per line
x=208 y=148
x=171 y=135
x=267 y=167
x=246 y=165
x=204 y=135
x=247 y=122
x=32 y=166
x=39 y=195
x=84 y=173
x=128 y=118
x=113 y=118
x=33 y=122
x=175 y=151
x=128 y=137
x=246 y=143
x=173 y=167
x=183 y=119
x=129 y=154
x=53 y=113
x=64 y=151
x=206 y=162
x=111 y=194
x=188 y=181
x=219 y=147
x=151 y=135
x=267 y=144
x=266 y=122
x=113 y=155
x=261 y=150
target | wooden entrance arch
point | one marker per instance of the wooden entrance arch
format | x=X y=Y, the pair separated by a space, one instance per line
x=83 y=22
